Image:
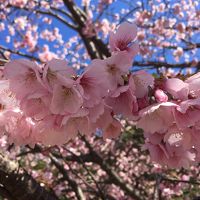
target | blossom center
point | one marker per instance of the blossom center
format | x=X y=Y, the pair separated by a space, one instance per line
x=112 y=68
x=67 y=91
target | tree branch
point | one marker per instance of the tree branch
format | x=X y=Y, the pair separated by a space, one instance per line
x=72 y=183
x=95 y=46
x=2 y=48
x=111 y=173
x=158 y=64
x=17 y=184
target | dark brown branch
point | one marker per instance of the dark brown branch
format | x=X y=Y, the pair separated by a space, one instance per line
x=180 y=181
x=94 y=157
x=50 y=13
x=148 y=26
x=72 y=183
x=111 y=173
x=154 y=176
x=190 y=46
x=6 y=194
x=17 y=184
x=158 y=64
x=100 y=193
x=95 y=47
x=80 y=19
x=3 y=62
x=62 y=12
x=76 y=12
x=59 y=18
x=2 y=48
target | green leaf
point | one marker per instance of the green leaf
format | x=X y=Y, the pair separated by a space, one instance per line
x=40 y=165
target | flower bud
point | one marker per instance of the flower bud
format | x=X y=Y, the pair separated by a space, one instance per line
x=160 y=96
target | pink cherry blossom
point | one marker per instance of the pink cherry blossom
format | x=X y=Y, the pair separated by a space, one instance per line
x=175 y=137
x=36 y=107
x=7 y=103
x=96 y=111
x=56 y=67
x=77 y=123
x=67 y=97
x=157 y=117
x=50 y=103
x=95 y=84
x=160 y=96
x=115 y=66
x=187 y=113
x=21 y=22
x=46 y=54
x=155 y=138
x=143 y=102
x=113 y=130
x=103 y=120
x=123 y=38
x=19 y=3
x=177 y=88
x=123 y=100
x=143 y=81
x=173 y=157
x=7 y=98
x=19 y=128
x=193 y=83
x=24 y=78
x=50 y=132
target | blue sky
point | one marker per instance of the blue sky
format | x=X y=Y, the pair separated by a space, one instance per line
x=116 y=7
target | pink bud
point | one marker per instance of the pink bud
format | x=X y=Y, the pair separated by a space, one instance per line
x=160 y=96
x=185 y=177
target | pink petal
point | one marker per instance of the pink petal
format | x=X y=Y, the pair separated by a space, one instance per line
x=177 y=88
x=142 y=81
x=113 y=130
x=65 y=99
x=125 y=34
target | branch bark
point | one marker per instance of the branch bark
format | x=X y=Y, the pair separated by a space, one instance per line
x=31 y=57
x=78 y=191
x=95 y=46
x=17 y=184
x=111 y=173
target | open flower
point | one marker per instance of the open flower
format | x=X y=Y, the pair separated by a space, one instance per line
x=123 y=100
x=142 y=81
x=77 y=123
x=95 y=84
x=177 y=88
x=115 y=66
x=49 y=131
x=67 y=97
x=157 y=117
x=8 y=103
x=113 y=130
x=53 y=68
x=122 y=39
x=24 y=77
x=194 y=83
x=187 y=113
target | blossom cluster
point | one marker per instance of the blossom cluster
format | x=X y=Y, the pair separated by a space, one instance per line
x=171 y=123
x=51 y=103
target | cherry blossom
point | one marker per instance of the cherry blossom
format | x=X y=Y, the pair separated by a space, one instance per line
x=123 y=38
x=51 y=103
